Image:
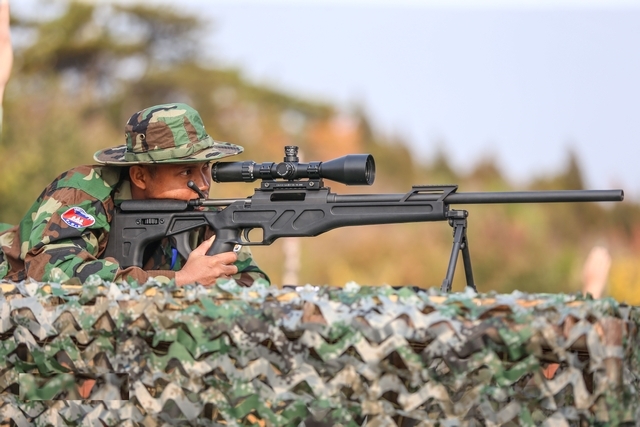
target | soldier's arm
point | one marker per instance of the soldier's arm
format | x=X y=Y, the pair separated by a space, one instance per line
x=64 y=237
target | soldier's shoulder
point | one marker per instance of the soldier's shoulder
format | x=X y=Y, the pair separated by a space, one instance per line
x=97 y=181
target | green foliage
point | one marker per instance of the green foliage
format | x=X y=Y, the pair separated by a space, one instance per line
x=88 y=69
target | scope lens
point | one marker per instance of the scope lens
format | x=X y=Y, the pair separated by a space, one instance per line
x=370 y=170
x=233 y=171
x=353 y=169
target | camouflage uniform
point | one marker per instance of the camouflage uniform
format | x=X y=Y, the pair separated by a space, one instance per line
x=66 y=230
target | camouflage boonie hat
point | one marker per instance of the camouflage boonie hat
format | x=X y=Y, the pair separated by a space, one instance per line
x=168 y=133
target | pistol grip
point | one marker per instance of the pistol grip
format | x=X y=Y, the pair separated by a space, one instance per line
x=225 y=241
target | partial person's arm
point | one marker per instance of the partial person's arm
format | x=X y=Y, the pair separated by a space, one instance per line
x=6 y=52
x=596 y=271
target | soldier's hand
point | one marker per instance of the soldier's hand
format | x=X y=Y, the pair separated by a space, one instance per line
x=206 y=269
x=6 y=52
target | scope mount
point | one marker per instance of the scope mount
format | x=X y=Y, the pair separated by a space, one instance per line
x=285 y=169
x=293 y=184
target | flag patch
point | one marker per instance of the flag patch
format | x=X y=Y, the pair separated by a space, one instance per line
x=77 y=218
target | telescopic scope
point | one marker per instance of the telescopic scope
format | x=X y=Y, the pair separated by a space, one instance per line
x=353 y=169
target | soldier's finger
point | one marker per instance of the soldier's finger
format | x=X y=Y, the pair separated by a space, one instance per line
x=231 y=270
x=226 y=258
x=204 y=246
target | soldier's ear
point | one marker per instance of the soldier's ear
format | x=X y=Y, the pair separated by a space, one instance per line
x=138 y=176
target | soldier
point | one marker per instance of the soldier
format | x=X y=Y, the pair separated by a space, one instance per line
x=65 y=232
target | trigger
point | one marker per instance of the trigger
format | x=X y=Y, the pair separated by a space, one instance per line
x=245 y=235
x=182 y=244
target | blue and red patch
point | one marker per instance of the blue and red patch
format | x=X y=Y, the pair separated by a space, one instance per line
x=77 y=218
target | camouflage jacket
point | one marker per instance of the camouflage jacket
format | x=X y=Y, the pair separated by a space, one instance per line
x=66 y=230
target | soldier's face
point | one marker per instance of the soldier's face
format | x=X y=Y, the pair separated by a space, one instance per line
x=170 y=181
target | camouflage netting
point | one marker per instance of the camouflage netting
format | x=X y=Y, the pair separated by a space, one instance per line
x=152 y=355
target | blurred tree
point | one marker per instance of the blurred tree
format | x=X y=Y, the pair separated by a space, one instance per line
x=84 y=71
x=68 y=77
x=93 y=47
x=440 y=169
x=625 y=279
x=486 y=171
x=568 y=179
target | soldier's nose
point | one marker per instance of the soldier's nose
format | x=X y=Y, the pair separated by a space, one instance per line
x=203 y=183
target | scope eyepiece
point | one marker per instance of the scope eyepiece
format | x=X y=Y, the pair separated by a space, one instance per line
x=352 y=169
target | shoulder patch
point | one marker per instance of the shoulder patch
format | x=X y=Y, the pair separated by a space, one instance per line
x=77 y=218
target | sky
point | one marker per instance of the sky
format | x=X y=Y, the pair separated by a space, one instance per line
x=522 y=82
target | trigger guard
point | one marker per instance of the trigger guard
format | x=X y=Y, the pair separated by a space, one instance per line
x=181 y=242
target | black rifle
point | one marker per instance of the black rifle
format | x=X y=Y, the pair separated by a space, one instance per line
x=292 y=201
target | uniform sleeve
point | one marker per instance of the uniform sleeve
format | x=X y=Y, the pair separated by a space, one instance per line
x=248 y=270
x=65 y=235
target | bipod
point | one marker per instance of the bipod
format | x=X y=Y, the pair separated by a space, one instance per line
x=458 y=220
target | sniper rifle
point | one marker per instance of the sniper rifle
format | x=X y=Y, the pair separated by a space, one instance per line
x=292 y=201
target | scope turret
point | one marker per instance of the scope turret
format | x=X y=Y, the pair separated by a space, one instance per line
x=353 y=169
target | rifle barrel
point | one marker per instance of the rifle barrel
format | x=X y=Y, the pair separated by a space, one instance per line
x=556 y=196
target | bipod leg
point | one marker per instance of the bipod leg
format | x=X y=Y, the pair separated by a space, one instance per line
x=458 y=220
x=466 y=260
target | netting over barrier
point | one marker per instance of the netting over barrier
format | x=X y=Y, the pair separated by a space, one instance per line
x=107 y=354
